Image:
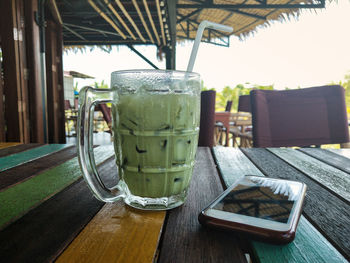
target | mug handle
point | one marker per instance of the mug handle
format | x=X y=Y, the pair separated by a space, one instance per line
x=88 y=99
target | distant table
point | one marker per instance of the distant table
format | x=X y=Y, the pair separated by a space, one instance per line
x=239 y=120
x=224 y=118
x=47 y=212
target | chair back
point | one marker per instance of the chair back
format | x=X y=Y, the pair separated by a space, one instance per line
x=302 y=117
x=244 y=103
x=67 y=105
x=228 y=106
x=76 y=103
x=106 y=112
x=207 y=118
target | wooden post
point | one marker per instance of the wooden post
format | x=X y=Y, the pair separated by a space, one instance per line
x=171 y=52
x=34 y=73
x=2 y=116
x=60 y=89
x=54 y=82
x=14 y=64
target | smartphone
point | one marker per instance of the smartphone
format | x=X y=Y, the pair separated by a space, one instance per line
x=261 y=208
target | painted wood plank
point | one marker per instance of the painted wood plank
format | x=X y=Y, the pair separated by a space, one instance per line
x=117 y=233
x=17 y=200
x=26 y=171
x=184 y=239
x=330 y=214
x=329 y=157
x=8 y=144
x=10 y=161
x=295 y=252
x=343 y=152
x=236 y=168
x=335 y=180
x=18 y=148
x=42 y=233
x=300 y=248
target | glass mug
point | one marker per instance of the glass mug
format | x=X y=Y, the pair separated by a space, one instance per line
x=155 y=127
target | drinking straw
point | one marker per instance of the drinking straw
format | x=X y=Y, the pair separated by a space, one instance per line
x=204 y=24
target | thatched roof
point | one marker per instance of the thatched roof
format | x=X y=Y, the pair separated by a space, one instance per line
x=108 y=22
x=78 y=75
x=245 y=16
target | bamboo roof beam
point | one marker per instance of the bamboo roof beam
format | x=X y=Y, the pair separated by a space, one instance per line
x=58 y=16
x=103 y=32
x=105 y=17
x=120 y=19
x=74 y=32
x=151 y=21
x=142 y=20
x=120 y=5
x=160 y=21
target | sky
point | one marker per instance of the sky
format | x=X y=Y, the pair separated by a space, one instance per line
x=309 y=51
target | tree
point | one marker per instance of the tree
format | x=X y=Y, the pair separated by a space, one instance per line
x=346 y=85
x=233 y=94
x=101 y=85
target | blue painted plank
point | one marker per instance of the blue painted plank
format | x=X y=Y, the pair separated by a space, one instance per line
x=13 y=160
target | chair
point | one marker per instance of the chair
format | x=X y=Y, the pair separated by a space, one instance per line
x=207 y=119
x=106 y=116
x=106 y=112
x=71 y=115
x=222 y=124
x=228 y=106
x=301 y=117
x=240 y=123
x=244 y=103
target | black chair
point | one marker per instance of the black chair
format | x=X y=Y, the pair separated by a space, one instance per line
x=244 y=103
x=207 y=118
x=228 y=106
x=301 y=117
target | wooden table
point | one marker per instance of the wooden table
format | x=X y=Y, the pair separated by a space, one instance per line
x=48 y=213
x=224 y=118
x=239 y=120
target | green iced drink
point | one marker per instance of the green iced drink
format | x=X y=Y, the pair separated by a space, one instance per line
x=155 y=128
x=156 y=136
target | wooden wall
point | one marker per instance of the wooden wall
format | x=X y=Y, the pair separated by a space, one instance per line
x=12 y=31
x=54 y=82
x=35 y=86
x=32 y=111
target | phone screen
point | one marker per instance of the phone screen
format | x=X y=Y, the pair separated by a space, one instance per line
x=261 y=198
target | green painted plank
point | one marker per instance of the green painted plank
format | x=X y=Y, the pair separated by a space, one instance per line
x=302 y=249
x=322 y=208
x=13 y=160
x=308 y=246
x=331 y=158
x=19 y=199
x=334 y=179
x=342 y=152
x=230 y=171
x=18 y=148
